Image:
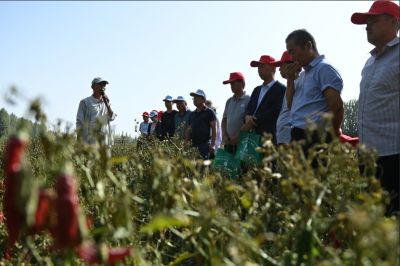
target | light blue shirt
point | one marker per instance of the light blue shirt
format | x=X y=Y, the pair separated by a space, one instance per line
x=379 y=101
x=283 y=127
x=309 y=102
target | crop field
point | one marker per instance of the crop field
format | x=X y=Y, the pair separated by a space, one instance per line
x=156 y=203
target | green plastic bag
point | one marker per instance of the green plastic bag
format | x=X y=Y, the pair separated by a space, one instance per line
x=226 y=163
x=246 y=152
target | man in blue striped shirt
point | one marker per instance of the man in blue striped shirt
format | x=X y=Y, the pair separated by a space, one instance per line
x=379 y=100
x=315 y=92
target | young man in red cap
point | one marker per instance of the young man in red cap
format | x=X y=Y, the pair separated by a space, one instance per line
x=234 y=112
x=144 y=126
x=379 y=100
x=315 y=92
x=265 y=101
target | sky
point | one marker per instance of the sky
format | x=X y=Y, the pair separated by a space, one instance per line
x=150 y=49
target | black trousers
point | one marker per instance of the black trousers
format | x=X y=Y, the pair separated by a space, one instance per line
x=299 y=134
x=230 y=148
x=388 y=173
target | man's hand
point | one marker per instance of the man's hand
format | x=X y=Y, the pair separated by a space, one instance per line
x=250 y=122
x=290 y=70
x=212 y=148
x=106 y=100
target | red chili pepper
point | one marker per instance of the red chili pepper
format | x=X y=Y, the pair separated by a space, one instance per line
x=14 y=217
x=43 y=212
x=91 y=254
x=67 y=205
x=117 y=254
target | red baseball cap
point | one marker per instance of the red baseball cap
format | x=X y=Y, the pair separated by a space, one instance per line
x=145 y=114
x=264 y=59
x=378 y=8
x=285 y=58
x=234 y=76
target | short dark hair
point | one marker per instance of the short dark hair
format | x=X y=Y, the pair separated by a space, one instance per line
x=301 y=37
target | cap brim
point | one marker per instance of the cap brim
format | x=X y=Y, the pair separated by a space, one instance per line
x=102 y=81
x=165 y=100
x=361 y=18
x=195 y=94
x=276 y=63
x=255 y=63
x=230 y=81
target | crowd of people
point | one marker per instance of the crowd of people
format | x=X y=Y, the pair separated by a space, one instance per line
x=313 y=88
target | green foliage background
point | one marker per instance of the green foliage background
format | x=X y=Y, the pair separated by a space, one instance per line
x=174 y=209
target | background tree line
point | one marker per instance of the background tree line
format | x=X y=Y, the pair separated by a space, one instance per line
x=9 y=122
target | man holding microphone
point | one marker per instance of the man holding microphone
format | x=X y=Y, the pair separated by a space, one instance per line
x=94 y=115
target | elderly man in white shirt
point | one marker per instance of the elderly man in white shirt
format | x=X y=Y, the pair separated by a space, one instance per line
x=94 y=114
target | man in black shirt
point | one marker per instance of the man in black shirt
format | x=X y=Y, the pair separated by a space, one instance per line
x=202 y=122
x=168 y=119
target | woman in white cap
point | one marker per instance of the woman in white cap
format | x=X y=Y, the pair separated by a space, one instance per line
x=182 y=117
x=155 y=128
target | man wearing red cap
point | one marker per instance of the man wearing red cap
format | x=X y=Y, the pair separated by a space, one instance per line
x=379 y=100
x=315 y=92
x=144 y=126
x=265 y=100
x=283 y=126
x=234 y=112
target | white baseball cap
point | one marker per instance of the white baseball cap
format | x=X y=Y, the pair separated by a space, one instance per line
x=98 y=80
x=168 y=98
x=153 y=113
x=199 y=93
x=179 y=99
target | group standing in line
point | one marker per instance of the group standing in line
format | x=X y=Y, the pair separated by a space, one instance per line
x=313 y=88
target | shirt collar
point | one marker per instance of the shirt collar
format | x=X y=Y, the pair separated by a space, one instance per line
x=95 y=99
x=269 y=85
x=241 y=97
x=392 y=43
x=314 y=62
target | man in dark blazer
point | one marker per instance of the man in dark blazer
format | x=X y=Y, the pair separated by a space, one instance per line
x=266 y=100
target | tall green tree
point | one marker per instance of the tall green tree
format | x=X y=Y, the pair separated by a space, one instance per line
x=4 y=122
x=350 y=122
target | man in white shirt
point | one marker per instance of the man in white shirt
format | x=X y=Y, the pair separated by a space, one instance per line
x=94 y=115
